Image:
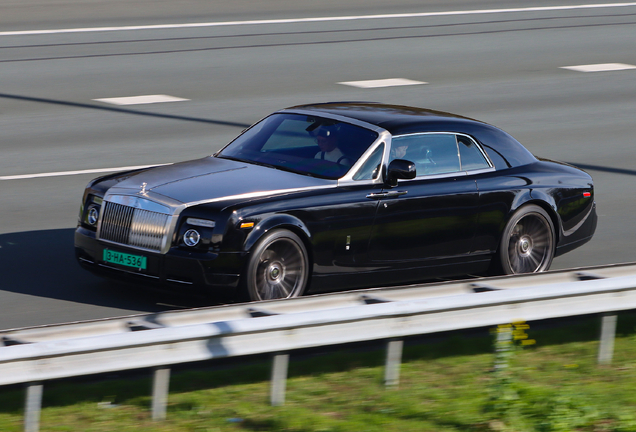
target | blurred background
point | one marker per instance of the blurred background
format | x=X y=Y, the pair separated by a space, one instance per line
x=559 y=75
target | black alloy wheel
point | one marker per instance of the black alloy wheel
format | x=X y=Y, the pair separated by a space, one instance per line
x=528 y=242
x=278 y=267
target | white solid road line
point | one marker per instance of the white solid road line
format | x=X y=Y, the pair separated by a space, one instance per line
x=69 y=173
x=316 y=19
x=601 y=67
x=139 y=100
x=389 y=82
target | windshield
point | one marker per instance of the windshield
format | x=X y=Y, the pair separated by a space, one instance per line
x=304 y=144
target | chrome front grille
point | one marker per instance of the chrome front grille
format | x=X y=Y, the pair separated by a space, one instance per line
x=133 y=226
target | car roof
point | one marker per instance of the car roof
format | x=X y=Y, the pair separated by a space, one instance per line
x=397 y=119
x=502 y=148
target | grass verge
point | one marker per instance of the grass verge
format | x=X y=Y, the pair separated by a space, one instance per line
x=445 y=385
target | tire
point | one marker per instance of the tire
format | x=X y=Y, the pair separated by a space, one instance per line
x=528 y=242
x=278 y=267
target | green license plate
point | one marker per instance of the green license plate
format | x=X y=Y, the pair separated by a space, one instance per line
x=125 y=259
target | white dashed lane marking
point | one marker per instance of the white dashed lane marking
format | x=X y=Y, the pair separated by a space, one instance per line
x=389 y=82
x=601 y=67
x=140 y=100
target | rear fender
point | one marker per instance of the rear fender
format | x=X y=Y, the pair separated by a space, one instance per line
x=523 y=197
x=546 y=202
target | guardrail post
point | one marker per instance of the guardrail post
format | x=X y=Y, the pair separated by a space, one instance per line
x=280 y=363
x=160 y=384
x=32 y=408
x=393 y=362
x=608 y=333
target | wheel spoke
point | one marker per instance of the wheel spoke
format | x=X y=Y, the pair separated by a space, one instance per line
x=267 y=255
x=293 y=262
x=263 y=289
x=535 y=258
x=514 y=257
x=263 y=285
x=524 y=265
x=541 y=241
x=285 y=288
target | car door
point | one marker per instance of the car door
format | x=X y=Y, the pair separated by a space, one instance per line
x=351 y=215
x=341 y=220
x=430 y=219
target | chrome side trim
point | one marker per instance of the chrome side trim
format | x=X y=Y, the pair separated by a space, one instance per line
x=438 y=176
x=480 y=171
x=261 y=194
x=180 y=281
x=572 y=230
x=450 y=174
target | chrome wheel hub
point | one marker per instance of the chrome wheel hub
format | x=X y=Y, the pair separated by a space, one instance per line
x=525 y=245
x=275 y=272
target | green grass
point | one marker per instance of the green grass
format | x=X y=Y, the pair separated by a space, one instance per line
x=445 y=385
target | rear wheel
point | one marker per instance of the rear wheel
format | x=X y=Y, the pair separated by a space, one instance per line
x=278 y=267
x=527 y=244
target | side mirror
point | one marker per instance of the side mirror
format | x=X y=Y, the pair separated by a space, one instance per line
x=400 y=169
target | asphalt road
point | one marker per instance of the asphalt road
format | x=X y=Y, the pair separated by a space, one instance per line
x=503 y=67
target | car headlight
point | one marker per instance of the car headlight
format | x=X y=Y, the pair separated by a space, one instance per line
x=194 y=233
x=191 y=237
x=92 y=215
x=91 y=211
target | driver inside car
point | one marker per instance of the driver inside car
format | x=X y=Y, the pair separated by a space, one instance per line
x=327 y=140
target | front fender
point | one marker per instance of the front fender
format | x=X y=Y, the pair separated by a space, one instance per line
x=286 y=221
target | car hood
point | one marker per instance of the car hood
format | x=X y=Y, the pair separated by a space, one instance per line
x=214 y=179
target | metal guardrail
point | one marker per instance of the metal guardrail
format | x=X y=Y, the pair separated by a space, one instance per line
x=125 y=324
x=278 y=327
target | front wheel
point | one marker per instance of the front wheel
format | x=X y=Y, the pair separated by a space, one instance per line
x=527 y=244
x=278 y=267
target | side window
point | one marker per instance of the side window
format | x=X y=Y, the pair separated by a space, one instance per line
x=432 y=153
x=471 y=157
x=371 y=168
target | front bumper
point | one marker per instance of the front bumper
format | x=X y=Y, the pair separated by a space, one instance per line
x=178 y=270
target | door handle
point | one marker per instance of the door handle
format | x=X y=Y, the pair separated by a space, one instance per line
x=390 y=194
